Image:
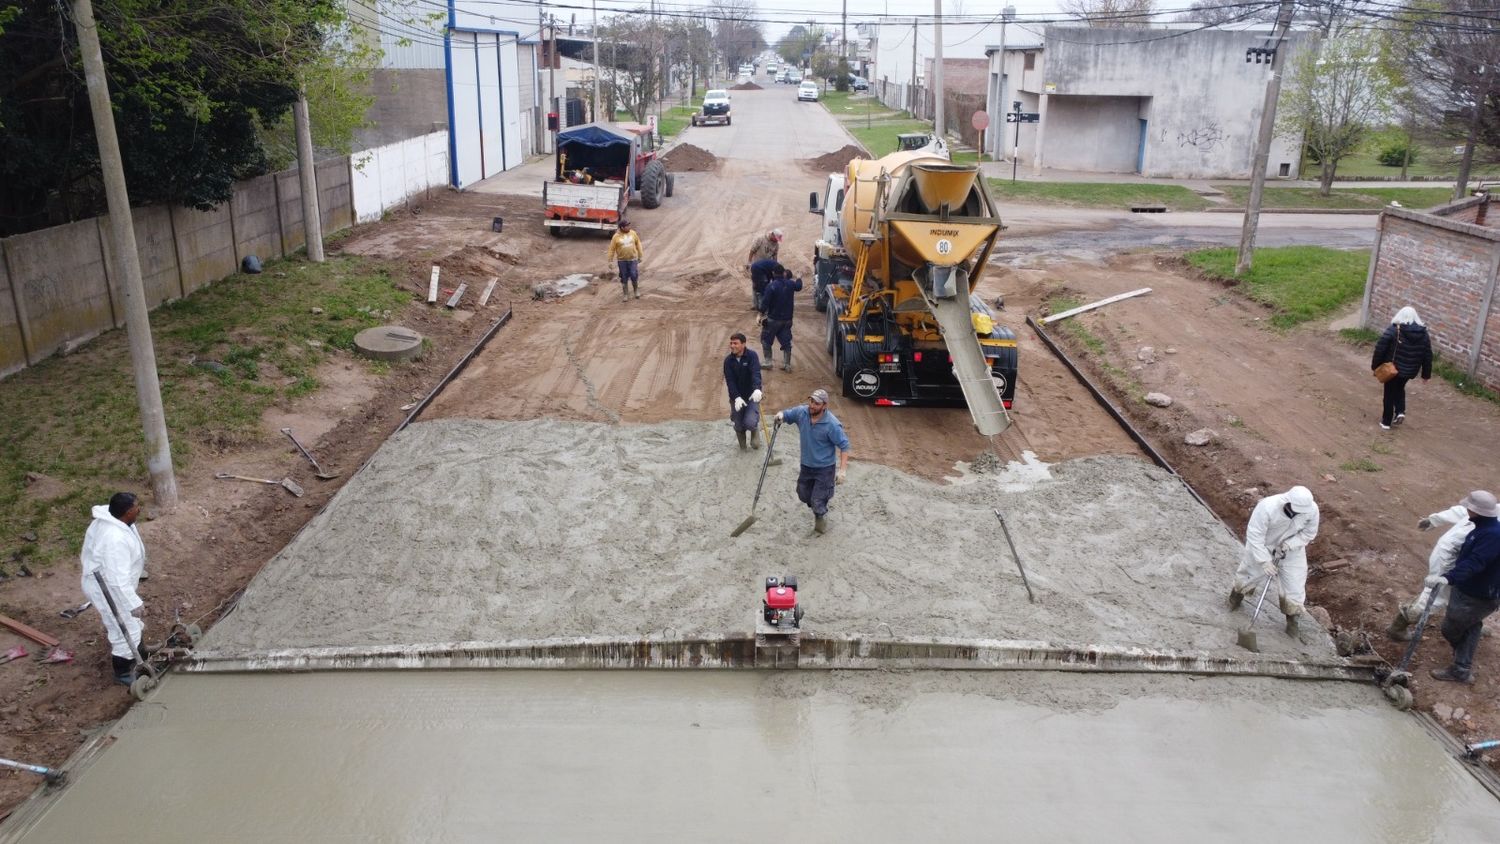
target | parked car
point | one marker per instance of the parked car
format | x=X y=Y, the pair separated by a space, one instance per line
x=807 y=92
x=785 y=76
x=859 y=83
x=794 y=76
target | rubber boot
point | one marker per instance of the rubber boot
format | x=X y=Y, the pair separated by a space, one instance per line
x=624 y=293
x=1400 y=629
x=740 y=435
x=786 y=360
x=635 y=289
x=124 y=669
x=1236 y=597
x=766 y=358
x=1291 y=625
x=820 y=524
x=755 y=438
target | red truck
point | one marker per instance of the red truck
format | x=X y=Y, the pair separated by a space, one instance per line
x=600 y=168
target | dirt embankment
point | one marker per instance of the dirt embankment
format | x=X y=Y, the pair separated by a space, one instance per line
x=686 y=158
x=746 y=86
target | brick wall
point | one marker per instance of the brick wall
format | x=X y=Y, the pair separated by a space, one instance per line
x=1442 y=265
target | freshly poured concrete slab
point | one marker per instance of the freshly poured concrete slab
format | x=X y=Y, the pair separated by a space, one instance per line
x=482 y=531
x=752 y=756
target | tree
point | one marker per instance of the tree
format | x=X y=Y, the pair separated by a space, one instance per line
x=1449 y=54
x=737 y=34
x=1215 y=12
x=636 y=58
x=1112 y=14
x=1336 y=96
x=800 y=43
x=192 y=83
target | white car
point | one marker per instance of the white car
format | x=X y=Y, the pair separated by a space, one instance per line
x=807 y=92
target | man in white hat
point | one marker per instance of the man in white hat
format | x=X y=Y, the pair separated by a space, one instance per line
x=1475 y=578
x=1276 y=539
x=1440 y=561
x=825 y=453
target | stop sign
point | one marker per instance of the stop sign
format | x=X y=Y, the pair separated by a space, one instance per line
x=980 y=120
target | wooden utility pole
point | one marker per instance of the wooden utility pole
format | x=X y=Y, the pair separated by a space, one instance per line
x=127 y=261
x=307 y=178
x=1263 y=142
x=937 y=69
x=596 y=60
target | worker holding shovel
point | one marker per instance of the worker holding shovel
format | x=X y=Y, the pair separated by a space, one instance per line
x=825 y=453
x=113 y=558
x=1281 y=525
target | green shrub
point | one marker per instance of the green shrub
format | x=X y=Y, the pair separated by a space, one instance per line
x=1396 y=154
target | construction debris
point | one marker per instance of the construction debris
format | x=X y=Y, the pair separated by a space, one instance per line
x=1099 y=304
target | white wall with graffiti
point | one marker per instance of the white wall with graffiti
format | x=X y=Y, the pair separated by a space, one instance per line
x=1177 y=103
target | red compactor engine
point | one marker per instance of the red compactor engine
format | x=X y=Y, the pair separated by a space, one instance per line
x=780 y=605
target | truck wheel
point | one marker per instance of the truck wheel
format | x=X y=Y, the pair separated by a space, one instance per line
x=671 y=183
x=853 y=358
x=729 y=121
x=652 y=182
x=555 y=231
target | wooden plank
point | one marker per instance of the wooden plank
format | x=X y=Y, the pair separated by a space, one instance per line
x=458 y=295
x=432 y=286
x=1099 y=304
x=29 y=632
x=484 y=298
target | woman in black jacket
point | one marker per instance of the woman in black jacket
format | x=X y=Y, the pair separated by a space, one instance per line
x=1406 y=344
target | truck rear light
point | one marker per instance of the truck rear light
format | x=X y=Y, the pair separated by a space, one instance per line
x=916 y=357
x=888 y=358
x=1007 y=405
x=884 y=403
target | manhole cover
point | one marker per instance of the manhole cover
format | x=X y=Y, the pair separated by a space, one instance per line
x=388 y=342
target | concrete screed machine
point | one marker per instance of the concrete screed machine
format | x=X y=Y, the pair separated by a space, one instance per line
x=906 y=238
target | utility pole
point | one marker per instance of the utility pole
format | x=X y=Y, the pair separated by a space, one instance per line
x=937 y=69
x=552 y=73
x=307 y=178
x=844 y=36
x=127 y=261
x=913 y=66
x=596 y=59
x=1263 y=142
x=1006 y=15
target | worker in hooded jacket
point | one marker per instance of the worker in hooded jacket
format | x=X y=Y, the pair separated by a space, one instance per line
x=113 y=551
x=1276 y=539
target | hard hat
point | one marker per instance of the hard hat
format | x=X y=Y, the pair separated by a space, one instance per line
x=1301 y=499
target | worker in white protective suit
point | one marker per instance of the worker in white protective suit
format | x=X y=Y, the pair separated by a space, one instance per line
x=1439 y=562
x=1276 y=539
x=113 y=550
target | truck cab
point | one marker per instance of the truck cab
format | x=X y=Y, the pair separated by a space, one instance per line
x=830 y=260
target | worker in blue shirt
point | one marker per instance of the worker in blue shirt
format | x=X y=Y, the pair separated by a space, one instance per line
x=776 y=306
x=825 y=453
x=1475 y=578
x=742 y=379
x=761 y=273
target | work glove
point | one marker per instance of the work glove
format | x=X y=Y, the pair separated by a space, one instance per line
x=761 y=320
x=755 y=396
x=1290 y=546
x=739 y=403
x=778 y=420
x=839 y=477
x=1425 y=524
x=1433 y=581
x=1271 y=569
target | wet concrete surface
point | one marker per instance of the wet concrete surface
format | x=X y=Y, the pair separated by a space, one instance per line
x=747 y=756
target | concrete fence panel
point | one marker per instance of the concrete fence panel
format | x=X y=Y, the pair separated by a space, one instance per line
x=58 y=276
x=385 y=177
x=205 y=244
x=289 y=190
x=12 y=341
x=335 y=205
x=256 y=226
x=158 y=257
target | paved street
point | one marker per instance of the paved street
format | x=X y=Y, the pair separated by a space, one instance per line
x=771 y=125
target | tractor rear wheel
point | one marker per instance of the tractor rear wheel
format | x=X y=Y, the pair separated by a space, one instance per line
x=653 y=181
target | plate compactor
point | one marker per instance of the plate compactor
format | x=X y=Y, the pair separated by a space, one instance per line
x=778 y=625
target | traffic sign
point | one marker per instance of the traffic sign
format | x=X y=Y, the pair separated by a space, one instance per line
x=980 y=121
x=1023 y=117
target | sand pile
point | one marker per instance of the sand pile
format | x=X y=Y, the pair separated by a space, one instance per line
x=686 y=158
x=746 y=86
x=835 y=161
x=464 y=530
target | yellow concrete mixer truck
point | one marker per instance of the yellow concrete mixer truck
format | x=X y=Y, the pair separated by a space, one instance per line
x=905 y=240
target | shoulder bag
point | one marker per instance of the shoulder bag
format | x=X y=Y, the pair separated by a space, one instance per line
x=1386 y=371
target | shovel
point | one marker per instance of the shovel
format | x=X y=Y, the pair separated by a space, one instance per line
x=290 y=485
x=1247 y=636
x=765 y=464
x=765 y=435
x=322 y=475
x=1396 y=685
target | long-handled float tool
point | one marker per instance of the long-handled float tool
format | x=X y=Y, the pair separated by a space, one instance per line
x=287 y=483
x=318 y=470
x=52 y=775
x=1008 y=541
x=1247 y=636
x=1397 y=684
x=765 y=464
